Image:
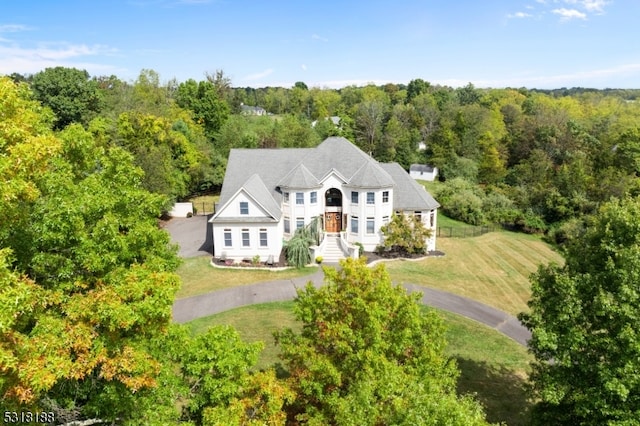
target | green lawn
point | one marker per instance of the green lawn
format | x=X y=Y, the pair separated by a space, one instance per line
x=493 y=268
x=491 y=365
x=199 y=277
x=204 y=203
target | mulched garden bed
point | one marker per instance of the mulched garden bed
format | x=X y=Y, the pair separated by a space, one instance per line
x=372 y=256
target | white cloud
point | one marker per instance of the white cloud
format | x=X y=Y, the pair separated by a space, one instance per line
x=568 y=14
x=304 y=67
x=596 y=6
x=519 y=15
x=13 y=28
x=590 y=78
x=259 y=75
x=317 y=37
x=14 y=58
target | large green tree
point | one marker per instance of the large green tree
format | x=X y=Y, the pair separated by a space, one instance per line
x=86 y=275
x=368 y=355
x=584 y=321
x=206 y=102
x=70 y=93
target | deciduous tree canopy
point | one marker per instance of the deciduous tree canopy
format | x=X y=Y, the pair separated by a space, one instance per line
x=368 y=355
x=584 y=321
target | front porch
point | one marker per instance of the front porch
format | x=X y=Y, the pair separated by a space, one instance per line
x=334 y=247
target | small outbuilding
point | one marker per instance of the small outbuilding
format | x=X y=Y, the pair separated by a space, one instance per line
x=423 y=172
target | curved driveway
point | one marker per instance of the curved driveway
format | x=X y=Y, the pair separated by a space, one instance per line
x=191 y=308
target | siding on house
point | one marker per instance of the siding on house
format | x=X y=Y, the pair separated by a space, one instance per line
x=277 y=186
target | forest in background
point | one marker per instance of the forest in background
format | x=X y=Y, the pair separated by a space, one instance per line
x=534 y=160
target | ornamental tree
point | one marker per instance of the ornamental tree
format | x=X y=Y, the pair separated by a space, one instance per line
x=368 y=355
x=584 y=323
x=405 y=234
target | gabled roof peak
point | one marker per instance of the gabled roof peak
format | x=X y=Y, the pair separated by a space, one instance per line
x=299 y=177
x=371 y=175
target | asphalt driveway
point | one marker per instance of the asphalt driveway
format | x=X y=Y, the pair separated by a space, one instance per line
x=194 y=237
x=192 y=234
x=194 y=307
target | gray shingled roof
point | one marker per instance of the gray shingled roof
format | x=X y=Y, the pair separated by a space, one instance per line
x=304 y=167
x=371 y=175
x=299 y=177
x=255 y=187
x=421 y=168
x=408 y=194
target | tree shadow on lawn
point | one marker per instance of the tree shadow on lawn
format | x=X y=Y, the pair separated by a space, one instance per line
x=501 y=391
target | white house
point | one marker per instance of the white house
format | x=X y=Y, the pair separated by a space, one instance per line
x=423 y=172
x=252 y=110
x=269 y=193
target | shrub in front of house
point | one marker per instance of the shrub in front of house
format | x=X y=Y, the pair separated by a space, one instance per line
x=297 y=249
x=403 y=236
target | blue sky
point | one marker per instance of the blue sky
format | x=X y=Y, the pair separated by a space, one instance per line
x=490 y=43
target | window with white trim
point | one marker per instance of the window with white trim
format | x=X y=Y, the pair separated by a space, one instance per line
x=385 y=196
x=314 y=197
x=354 y=224
x=299 y=223
x=299 y=198
x=287 y=225
x=354 y=197
x=371 y=225
x=228 y=242
x=263 y=237
x=246 y=242
x=371 y=197
x=244 y=207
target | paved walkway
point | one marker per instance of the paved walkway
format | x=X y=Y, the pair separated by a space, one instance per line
x=191 y=308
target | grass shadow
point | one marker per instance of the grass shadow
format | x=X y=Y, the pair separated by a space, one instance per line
x=501 y=391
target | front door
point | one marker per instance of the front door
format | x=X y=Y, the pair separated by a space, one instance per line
x=332 y=222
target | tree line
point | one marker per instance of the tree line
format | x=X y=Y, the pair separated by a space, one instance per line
x=535 y=160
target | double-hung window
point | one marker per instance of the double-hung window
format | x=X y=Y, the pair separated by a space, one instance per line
x=354 y=224
x=227 y=238
x=371 y=225
x=244 y=207
x=354 y=197
x=245 y=238
x=314 y=197
x=299 y=198
x=299 y=222
x=287 y=225
x=263 y=237
x=371 y=197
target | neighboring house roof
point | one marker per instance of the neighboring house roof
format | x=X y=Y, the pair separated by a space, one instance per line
x=306 y=167
x=421 y=168
x=252 y=109
x=334 y=119
x=408 y=194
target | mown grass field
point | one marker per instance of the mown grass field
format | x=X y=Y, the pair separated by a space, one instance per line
x=199 y=277
x=493 y=268
x=204 y=203
x=491 y=365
